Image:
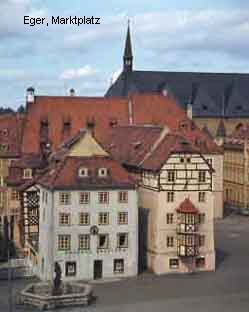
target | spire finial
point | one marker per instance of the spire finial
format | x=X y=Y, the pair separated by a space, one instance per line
x=128 y=58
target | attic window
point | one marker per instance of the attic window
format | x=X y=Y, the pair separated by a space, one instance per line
x=239 y=107
x=183 y=125
x=83 y=172
x=102 y=172
x=137 y=144
x=27 y=173
x=4 y=132
x=205 y=107
x=113 y=122
x=4 y=147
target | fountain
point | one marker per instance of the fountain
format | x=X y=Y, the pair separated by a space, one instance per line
x=46 y=296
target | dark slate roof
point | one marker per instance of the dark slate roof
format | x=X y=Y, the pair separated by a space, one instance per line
x=128 y=49
x=211 y=94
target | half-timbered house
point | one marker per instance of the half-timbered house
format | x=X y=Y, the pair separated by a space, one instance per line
x=176 y=192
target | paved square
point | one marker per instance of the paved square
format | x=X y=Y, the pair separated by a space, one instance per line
x=227 y=289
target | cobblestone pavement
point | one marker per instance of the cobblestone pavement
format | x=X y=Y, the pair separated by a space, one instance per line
x=227 y=289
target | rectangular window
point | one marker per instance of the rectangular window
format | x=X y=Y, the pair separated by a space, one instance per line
x=65 y=198
x=15 y=195
x=202 y=176
x=171 y=175
x=84 y=242
x=103 y=241
x=202 y=218
x=1 y=181
x=200 y=262
x=70 y=268
x=84 y=198
x=170 y=197
x=170 y=217
x=123 y=218
x=170 y=241
x=103 y=197
x=64 y=219
x=2 y=198
x=64 y=242
x=27 y=173
x=202 y=197
x=201 y=240
x=122 y=240
x=118 y=266
x=173 y=263
x=103 y=218
x=84 y=218
x=123 y=197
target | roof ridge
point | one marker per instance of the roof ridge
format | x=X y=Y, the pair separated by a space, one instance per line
x=164 y=132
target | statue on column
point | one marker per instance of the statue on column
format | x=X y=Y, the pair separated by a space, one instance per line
x=57 y=279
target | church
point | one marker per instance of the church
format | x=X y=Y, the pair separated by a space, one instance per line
x=216 y=101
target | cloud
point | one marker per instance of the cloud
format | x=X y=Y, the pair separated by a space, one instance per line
x=116 y=74
x=83 y=72
x=219 y=31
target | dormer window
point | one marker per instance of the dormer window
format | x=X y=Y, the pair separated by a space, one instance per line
x=183 y=125
x=102 y=172
x=27 y=173
x=4 y=147
x=5 y=132
x=83 y=172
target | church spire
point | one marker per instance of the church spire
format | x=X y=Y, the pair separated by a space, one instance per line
x=128 y=52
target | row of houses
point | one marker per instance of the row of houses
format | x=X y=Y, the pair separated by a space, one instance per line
x=108 y=187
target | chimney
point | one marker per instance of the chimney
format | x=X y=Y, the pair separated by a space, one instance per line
x=72 y=92
x=190 y=111
x=30 y=95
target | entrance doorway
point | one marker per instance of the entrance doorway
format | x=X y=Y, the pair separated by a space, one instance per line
x=97 y=270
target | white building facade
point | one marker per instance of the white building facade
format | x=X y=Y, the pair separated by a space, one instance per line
x=91 y=234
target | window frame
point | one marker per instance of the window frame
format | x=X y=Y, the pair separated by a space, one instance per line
x=66 y=239
x=103 y=197
x=62 y=198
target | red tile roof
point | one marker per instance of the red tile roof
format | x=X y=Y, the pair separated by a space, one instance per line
x=147 y=147
x=187 y=207
x=140 y=109
x=65 y=175
x=77 y=110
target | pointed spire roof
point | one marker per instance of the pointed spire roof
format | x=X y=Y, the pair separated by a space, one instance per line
x=127 y=59
x=187 y=207
x=128 y=48
x=221 y=131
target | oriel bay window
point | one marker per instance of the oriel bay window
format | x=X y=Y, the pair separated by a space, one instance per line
x=187 y=245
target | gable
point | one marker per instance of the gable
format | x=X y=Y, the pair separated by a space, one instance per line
x=87 y=146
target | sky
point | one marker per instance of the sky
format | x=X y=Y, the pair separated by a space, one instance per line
x=190 y=35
